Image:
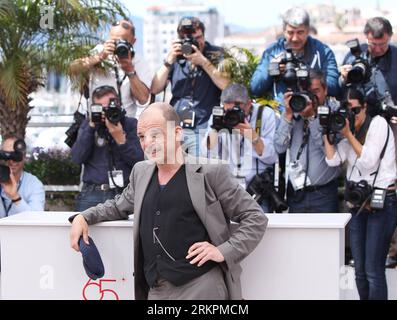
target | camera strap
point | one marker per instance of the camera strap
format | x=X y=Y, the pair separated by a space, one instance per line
x=119 y=81
x=305 y=140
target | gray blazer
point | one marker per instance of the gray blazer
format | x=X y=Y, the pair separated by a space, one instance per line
x=217 y=198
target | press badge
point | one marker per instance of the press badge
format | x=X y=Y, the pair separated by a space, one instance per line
x=297 y=176
x=117 y=178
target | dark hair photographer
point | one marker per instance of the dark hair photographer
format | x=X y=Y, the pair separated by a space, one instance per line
x=370 y=192
x=312 y=184
x=196 y=83
x=108 y=147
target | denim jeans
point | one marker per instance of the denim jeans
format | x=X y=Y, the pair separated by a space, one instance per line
x=324 y=200
x=370 y=235
x=90 y=198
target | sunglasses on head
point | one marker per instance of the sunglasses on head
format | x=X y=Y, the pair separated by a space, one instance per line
x=125 y=25
x=356 y=109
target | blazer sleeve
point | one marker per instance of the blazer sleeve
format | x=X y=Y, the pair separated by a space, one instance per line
x=118 y=208
x=241 y=208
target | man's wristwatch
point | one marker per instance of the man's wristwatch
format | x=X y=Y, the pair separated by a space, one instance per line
x=16 y=200
x=131 y=74
x=167 y=64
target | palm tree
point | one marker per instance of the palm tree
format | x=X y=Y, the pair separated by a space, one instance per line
x=31 y=45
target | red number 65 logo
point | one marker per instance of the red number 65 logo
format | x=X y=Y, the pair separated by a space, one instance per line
x=101 y=290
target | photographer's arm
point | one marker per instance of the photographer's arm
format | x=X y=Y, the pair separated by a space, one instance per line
x=84 y=144
x=160 y=79
x=220 y=79
x=335 y=156
x=82 y=65
x=261 y=81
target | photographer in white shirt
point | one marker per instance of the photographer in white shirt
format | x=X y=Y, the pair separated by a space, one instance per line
x=371 y=192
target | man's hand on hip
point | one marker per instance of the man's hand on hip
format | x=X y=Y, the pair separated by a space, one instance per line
x=203 y=252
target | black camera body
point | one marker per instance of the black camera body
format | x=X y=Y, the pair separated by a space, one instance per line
x=227 y=119
x=16 y=155
x=335 y=121
x=357 y=193
x=73 y=130
x=187 y=42
x=361 y=69
x=186 y=31
x=296 y=77
x=113 y=112
x=123 y=47
x=261 y=187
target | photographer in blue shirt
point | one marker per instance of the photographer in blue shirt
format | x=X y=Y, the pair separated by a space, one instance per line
x=20 y=191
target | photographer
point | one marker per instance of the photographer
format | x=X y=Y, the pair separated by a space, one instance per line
x=196 y=83
x=370 y=191
x=108 y=147
x=380 y=54
x=269 y=74
x=381 y=57
x=243 y=136
x=115 y=63
x=312 y=184
x=19 y=190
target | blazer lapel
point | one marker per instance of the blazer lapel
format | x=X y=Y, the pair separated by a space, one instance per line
x=141 y=184
x=195 y=183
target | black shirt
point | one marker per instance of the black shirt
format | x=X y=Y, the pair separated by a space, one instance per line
x=169 y=225
x=196 y=88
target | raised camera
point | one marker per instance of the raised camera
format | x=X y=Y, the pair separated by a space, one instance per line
x=227 y=119
x=96 y=113
x=361 y=71
x=16 y=155
x=113 y=112
x=123 y=48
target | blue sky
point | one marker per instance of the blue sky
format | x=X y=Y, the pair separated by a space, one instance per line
x=254 y=13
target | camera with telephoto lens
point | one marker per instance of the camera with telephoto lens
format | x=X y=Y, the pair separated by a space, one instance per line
x=73 y=130
x=123 y=47
x=361 y=70
x=261 y=187
x=187 y=29
x=227 y=119
x=357 y=193
x=16 y=155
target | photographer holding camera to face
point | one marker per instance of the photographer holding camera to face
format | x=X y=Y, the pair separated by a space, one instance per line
x=116 y=64
x=196 y=83
x=108 y=146
x=19 y=190
x=241 y=133
x=370 y=192
x=270 y=73
x=312 y=184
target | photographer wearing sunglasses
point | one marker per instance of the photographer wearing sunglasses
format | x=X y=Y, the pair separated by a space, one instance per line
x=370 y=192
x=19 y=190
x=115 y=63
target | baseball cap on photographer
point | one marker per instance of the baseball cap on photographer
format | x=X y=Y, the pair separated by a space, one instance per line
x=189 y=25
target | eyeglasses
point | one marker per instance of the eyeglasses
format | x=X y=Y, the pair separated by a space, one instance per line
x=104 y=89
x=125 y=25
x=379 y=45
x=356 y=109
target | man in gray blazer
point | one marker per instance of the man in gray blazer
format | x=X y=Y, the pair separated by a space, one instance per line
x=184 y=243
